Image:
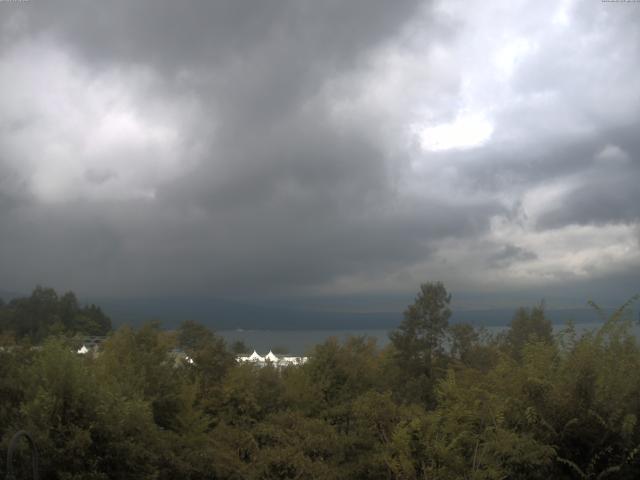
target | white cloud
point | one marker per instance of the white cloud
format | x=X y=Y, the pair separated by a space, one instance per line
x=468 y=130
x=66 y=123
x=520 y=80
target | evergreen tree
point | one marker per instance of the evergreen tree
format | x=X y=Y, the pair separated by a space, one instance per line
x=418 y=341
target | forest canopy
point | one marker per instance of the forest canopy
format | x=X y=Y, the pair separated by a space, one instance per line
x=44 y=313
x=441 y=401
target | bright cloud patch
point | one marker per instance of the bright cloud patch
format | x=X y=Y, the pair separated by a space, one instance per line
x=73 y=134
x=466 y=131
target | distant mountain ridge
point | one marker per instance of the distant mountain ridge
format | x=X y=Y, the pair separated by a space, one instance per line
x=226 y=315
x=343 y=313
x=222 y=314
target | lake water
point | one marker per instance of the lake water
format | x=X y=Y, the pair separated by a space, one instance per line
x=299 y=342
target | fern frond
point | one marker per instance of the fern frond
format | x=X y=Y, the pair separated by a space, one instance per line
x=632 y=454
x=608 y=471
x=547 y=425
x=575 y=467
x=598 y=417
x=618 y=313
x=570 y=423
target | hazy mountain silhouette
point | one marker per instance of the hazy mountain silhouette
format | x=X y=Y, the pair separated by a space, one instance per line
x=221 y=314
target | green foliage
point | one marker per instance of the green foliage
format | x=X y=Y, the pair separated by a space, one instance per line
x=193 y=336
x=291 y=446
x=239 y=347
x=209 y=361
x=526 y=405
x=138 y=364
x=44 y=313
x=418 y=342
x=528 y=325
x=83 y=429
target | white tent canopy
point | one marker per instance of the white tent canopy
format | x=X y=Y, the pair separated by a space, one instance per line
x=271 y=357
x=254 y=357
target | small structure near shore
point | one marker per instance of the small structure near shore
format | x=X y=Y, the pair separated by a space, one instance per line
x=91 y=344
x=271 y=359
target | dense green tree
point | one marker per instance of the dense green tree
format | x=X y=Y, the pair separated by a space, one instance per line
x=83 y=429
x=13 y=383
x=339 y=373
x=292 y=446
x=528 y=405
x=239 y=347
x=44 y=313
x=190 y=446
x=526 y=326
x=209 y=360
x=138 y=364
x=464 y=338
x=91 y=320
x=193 y=335
x=418 y=341
x=472 y=347
x=250 y=393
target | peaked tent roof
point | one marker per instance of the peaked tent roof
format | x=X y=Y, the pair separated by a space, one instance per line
x=254 y=357
x=271 y=357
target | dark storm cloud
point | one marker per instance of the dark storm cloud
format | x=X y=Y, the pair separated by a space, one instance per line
x=129 y=248
x=607 y=198
x=599 y=190
x=201 y=34
x=218 y=156
x=282 y=195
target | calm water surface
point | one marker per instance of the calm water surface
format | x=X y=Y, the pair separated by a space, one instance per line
x=299 y=342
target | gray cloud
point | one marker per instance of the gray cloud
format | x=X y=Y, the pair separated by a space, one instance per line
x=510 y=254
x=224 y=147
x=204 y=35
x=609 y=198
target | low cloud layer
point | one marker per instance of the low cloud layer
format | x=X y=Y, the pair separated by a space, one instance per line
x=301 y=148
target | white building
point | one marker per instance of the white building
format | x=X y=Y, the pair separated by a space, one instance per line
x=271 y=359
x=91 y=344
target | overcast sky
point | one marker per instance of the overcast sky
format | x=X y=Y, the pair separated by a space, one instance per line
x=305 y=147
